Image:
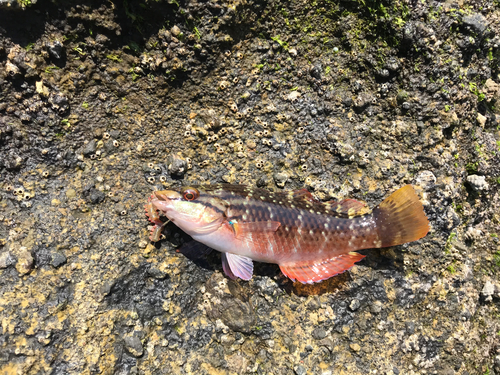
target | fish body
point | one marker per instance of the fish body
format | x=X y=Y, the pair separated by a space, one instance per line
x=310 y=240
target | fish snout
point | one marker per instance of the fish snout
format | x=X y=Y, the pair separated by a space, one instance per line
x=165 y=195
x=163 y=199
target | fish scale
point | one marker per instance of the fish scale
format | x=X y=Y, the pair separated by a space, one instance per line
x=310 y=240
x=302 y=224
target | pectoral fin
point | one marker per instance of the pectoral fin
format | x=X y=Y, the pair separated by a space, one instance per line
x=246 y=230
x=237 y=266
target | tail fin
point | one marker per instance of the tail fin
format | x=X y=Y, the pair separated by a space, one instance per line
x=400 y=218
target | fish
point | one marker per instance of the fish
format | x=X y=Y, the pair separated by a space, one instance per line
x=310 y=240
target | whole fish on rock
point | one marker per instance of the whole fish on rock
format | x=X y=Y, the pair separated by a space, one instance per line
x=311 y=241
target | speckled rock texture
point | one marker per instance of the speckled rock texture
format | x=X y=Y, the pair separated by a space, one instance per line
x=103 y=102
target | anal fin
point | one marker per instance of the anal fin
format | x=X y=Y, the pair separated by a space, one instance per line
x=309 y=272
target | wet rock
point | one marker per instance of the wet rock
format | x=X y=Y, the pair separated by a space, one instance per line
x=392 y=65
x=175 y=30
x=55 y=49
x=58 y=259
x=25 y=261
x=354 y=304
x=109 y=146
x=228 y=304
x=355 y=347
x=481 y=120
x=327 y=343
x=13 y=162
x=319 y=333
x=376 y=307
x=478 y=183
x=425 y=179
x=59 y=102
x=93 y=195
x=300 y=370
x=362 y=101
x=316 y=71
x=12 y=69
x=6 y=259
x=134 y=346
x=476 y=22
x=177 y=167
x=489 y=291
x=90 y=148
x=280 y=178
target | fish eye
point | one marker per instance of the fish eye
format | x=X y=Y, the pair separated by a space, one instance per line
x=190 y=194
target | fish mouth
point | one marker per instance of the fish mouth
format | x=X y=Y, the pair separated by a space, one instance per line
x=163 y=199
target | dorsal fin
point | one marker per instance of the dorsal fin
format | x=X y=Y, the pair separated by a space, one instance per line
x=347 y=208
x=304 y=194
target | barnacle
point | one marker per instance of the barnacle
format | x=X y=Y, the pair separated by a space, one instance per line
x=232 y=105
x=123 y=213
x=111 y=194
x=151 y=165
x=223 y=85
x=163 y=179
x=106 y=136
x=45 y=174
x=115 y=143
x=151 y=179
x=187 y=133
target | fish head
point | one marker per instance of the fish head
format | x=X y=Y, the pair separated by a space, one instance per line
x=191 y=209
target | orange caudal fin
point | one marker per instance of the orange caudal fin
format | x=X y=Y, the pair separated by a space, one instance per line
x=308 y=272
x=400 y=218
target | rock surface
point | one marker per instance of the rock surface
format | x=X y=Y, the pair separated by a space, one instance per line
x=101 y=103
